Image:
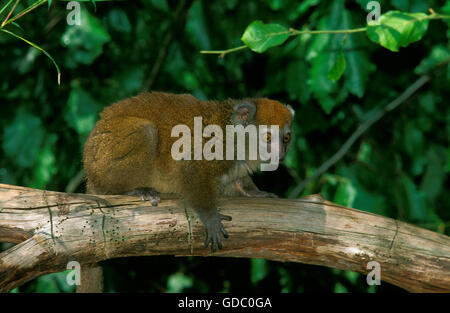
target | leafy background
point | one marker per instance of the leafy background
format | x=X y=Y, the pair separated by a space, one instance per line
x=399 y=168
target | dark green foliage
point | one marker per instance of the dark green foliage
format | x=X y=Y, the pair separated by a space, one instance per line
x=399 y=168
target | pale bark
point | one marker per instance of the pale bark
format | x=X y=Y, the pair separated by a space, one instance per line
x=53 y=228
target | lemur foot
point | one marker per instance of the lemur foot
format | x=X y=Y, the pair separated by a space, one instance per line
x=214 y=228
x=146 y=193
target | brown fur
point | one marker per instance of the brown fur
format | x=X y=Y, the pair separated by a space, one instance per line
x=130 y=148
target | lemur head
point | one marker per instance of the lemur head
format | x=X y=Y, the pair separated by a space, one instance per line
x=266 y=112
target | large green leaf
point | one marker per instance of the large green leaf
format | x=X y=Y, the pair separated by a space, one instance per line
x=275 y=4
x=325 y=50
x=440 y=53
x=178 y=281
x=345 y=193
x=364 y=199
x=411 y=201
x=321 y=63
x=321 y=85
x=411 y=5
x=55 y=282
x=259 y=36
x=161 y=5
x=338 y=68
x=447 y=165
x=302 y=8
x=197 y=28
x=434 y=177
x=297 y=72
x=358 y=67
x=45 y=166
x=259 y=270
x=398 y=29
x=297 y=81
x=84 y=42
x=22 y=139
x=118 y=20
x=81 y=113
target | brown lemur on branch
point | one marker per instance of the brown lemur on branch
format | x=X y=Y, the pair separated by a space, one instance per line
x=130 y=151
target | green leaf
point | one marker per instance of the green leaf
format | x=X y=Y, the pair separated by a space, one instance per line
x=45 y=167
x=411 y=5
x=434 y=177
x=410 y=200
x=81 y=113
x=446 y=7
x=55 y=282
x=345 y=193
x=84 y=42
x=259 y=36
x=178 y=282
x=161 y=5
x=7 y=176
x=297 y=81
x=398 y=29
x=322 y=54
x=118 y=20
x=321 y=63
x=447 y=165
x=275 y=4
x=352 y=276
x=413 y=201
x=259 y=270
x=358 y=67
x=321 y=85
x=129 y=82
x=302 y=8
x=22 y=139
x=413 y=140
x=364 y=152
x=338 y=68
x=365 y=199
x=285 y=280
x=296 y=75
x=196 y=27
x=439 y=54
x=339 y=288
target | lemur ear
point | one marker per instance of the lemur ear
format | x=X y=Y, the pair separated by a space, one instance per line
x=243 y=113
x=291 y=109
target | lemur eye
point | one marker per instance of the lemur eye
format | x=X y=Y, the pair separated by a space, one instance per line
x=287 y=138
x=267 y=137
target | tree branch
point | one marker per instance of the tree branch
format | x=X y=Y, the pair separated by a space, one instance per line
x=53 y=228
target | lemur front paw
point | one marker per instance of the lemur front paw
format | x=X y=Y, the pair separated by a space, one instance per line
x=214 y=228
x=146 y=193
